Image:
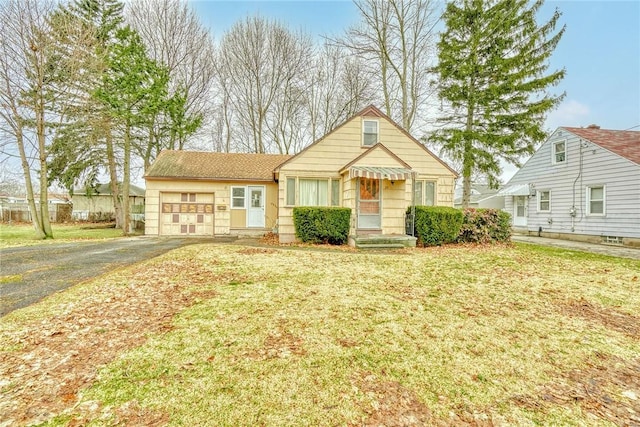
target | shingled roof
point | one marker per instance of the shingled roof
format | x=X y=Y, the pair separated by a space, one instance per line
x=624 y=143
x=203 y=165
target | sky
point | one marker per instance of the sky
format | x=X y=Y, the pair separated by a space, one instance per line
x=600 y=50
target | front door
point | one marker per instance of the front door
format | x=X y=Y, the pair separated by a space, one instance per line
x=520 y=211
x=369 y=204
x=255 y=212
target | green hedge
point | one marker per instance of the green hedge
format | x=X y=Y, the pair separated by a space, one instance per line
x=485 y=225
x=436 y=225
x=322 y=225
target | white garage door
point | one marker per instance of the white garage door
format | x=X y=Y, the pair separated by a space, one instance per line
x=186 y=214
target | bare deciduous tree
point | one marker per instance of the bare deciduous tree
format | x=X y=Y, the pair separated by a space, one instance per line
x=396 y=38
x=175 y=38
x=33 y=105
x=261 y=67
x=338 y=87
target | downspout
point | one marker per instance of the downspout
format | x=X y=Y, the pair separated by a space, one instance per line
x=573 y=210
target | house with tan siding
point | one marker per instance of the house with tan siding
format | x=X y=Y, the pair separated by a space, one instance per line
x=368 y=164
x=96 y=203
x=581 y=184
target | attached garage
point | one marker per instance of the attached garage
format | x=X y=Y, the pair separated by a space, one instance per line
x=187 y=214
x=192 y=193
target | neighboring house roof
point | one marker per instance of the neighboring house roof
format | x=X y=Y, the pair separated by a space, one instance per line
x=479 y=192
x=372 y=111
x=105 y=190
x=201 y=165
x=624 y=143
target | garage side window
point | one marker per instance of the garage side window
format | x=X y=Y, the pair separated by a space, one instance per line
x=238 y=196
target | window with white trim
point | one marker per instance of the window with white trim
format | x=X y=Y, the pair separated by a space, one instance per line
x=291 y=191
x=559 y=152
x=596 y=200
x=335 y=192
x=369 y=132
x=238 y=197
x=544 y=201
x=313 y=192
x=425 y=193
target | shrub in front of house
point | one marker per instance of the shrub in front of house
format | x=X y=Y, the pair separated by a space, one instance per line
x=322 y=224
x=436 y=225
x=485 y=225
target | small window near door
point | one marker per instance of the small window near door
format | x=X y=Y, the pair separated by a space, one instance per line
x=596 y=200
x=369 y=132
x=238 y=197
x=544 y=201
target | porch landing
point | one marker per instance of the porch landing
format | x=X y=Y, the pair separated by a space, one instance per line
x=382 y=241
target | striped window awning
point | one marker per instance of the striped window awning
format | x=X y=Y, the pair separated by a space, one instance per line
x=392 y=174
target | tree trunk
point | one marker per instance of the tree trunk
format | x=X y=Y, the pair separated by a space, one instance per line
x=35 y=214
x=113 y=176
x=44 y=184
x=467 y=160
x=126 y=178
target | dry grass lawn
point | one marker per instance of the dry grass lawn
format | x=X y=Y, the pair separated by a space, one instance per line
x=23 y=235
x=236 y=336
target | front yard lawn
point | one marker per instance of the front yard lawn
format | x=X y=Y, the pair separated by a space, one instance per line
x=234 y=336
x=23 y=234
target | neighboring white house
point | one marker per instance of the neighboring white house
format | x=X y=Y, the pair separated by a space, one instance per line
x=583 y=184
x=482 y=196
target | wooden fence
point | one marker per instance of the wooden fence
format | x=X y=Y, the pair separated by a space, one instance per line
x=19 y=212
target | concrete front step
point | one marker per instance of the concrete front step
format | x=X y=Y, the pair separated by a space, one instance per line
x=381 y=241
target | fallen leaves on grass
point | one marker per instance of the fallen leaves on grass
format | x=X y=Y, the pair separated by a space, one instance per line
x=609 y=318
x=60 y=356
x=608 y=388
x=391 y=404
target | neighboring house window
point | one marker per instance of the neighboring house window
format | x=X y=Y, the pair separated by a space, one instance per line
x=559 y=152
x=544 y=201
x=595 y=200
x=238 y=197
x=369 y=132
x=291 y=191
x=425 y=193
x=314 y=192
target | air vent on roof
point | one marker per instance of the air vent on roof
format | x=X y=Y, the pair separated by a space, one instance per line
x=593 y=126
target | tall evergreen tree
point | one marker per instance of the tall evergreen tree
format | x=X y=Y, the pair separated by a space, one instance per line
x=134 y=90
x=493 y=63
x=85 y=146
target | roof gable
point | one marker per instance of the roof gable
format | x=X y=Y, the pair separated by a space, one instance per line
x=370 y=111
x=201 y=165
x=378 y=155
x=624 y=143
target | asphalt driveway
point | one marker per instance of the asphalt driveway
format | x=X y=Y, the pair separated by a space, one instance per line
x=30 y=273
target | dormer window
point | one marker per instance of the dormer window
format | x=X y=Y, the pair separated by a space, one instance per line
x=559 y=152
x=369 y=132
